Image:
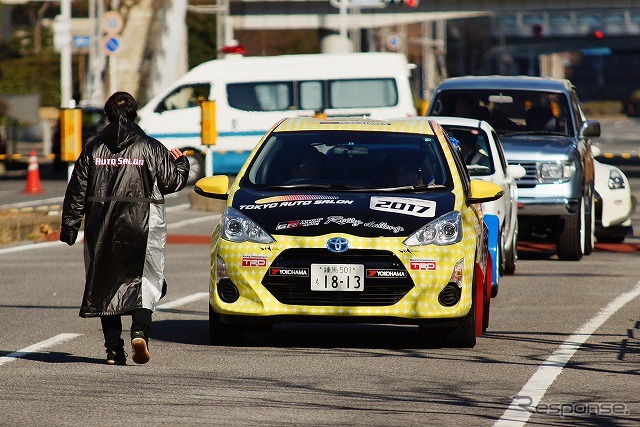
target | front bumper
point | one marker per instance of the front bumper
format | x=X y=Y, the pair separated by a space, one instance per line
x=413 y=295
x=547 y=206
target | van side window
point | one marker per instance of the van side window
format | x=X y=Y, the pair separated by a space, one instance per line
x=311 y=95
x=362 y=93
x=185 y=97
x=262 y=96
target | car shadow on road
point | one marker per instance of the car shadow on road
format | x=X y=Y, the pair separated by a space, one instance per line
x=310 y=335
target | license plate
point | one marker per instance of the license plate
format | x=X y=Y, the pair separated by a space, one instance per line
x=337 y=277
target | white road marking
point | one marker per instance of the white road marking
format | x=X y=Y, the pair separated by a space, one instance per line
x=69 y=336
x=193 y=221
x=182 y=301
x=539 y=383
x=33 y=203
x=37 y=347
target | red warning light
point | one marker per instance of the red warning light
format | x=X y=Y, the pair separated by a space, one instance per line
x=237 y=49
x=599 y=34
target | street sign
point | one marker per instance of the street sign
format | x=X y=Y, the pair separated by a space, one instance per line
x=112 y=22
x=110 y=45
x=81 y=41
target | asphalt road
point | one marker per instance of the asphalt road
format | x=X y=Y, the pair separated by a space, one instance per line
x=563 y=348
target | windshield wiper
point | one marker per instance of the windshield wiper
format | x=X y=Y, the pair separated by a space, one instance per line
x=406 y=188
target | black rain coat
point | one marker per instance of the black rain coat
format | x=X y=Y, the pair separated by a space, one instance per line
x=118 y=184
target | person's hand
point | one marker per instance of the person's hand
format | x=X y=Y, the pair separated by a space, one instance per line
x=68 y=237
x=176 y=153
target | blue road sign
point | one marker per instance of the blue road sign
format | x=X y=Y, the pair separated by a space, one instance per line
x=111 y=44
x=81 y=41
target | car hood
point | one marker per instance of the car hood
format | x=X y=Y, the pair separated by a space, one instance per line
x=360 y=214
x=537 y=147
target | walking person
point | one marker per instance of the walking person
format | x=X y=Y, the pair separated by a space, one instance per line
x=118 y=185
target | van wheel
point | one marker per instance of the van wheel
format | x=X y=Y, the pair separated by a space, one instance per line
x=570 y=243
x=196 y=166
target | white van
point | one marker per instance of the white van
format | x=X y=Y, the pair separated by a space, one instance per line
x=253 y=93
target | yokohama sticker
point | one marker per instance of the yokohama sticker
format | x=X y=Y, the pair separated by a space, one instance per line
x=298 y=272
x=404 y=206
x=254 y=261
x=423 y=264
x=375 y=273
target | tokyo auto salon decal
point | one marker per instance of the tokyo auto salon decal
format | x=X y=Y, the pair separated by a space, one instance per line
x=118 y=162
x=404 y=205
x=423 y=264
x=295 y=200
x=254 y=261
x=386 y=274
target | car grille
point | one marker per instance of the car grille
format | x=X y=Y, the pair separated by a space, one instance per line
x=531 y=177
x=377 y=291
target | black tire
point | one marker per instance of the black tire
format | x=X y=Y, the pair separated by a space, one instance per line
x=463 y=335
x=570 y=241
x=511 y=256
x=589 y=231
x=222 y=333
x=196 y=166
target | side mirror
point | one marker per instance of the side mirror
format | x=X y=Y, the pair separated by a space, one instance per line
x=516 y=171
x=484 y=191
x=591 y=128
x=214 y=187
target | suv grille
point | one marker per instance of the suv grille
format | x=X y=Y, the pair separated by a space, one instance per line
x=377 y=291
x=531 y=177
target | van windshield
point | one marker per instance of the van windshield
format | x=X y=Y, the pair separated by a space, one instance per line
x=509 y=111
x=350 y=160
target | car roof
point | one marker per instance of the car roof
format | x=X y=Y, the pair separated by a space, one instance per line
x=505 y=83
x=410 y=125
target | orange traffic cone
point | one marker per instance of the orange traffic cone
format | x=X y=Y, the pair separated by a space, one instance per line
x=33 y=175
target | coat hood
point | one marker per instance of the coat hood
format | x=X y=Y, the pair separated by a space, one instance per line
x=118 y=135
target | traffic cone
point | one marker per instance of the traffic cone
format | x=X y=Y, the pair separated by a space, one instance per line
x=33 y=175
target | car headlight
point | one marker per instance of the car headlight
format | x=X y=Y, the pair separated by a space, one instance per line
x=557 y=171
x=238 y=228
x=616 y=181
x=442 y=231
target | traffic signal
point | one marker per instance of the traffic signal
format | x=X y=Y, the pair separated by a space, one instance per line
x=597 y=34
x=411 y=3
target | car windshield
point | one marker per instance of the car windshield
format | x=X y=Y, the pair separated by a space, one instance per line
x=509 y=111
x=348 y=160
x=474 y=149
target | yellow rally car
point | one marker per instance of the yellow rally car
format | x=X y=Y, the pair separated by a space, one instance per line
x=354 y=220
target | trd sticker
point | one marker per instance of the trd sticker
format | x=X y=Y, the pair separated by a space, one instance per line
x=254 y=261
x=298 y=223
x=386 y=273
x=404 y=205
x=297 y=272
x=423 y=264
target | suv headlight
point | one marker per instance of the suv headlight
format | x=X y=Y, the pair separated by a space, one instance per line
x=557 y=171
x=616 y=181
x=238 y=228
x=442 y=231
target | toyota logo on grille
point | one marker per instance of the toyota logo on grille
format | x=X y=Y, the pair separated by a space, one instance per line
x=338 y=244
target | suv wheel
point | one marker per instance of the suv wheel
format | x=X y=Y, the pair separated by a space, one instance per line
x=570 y=243
x=589 y=233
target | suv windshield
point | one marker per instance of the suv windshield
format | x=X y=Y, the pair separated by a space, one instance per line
x=509 y=111
x=354 y=160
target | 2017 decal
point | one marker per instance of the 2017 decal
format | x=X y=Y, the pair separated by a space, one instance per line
x=404 y=205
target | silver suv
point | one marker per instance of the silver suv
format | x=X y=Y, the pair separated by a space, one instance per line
x=542 y=128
